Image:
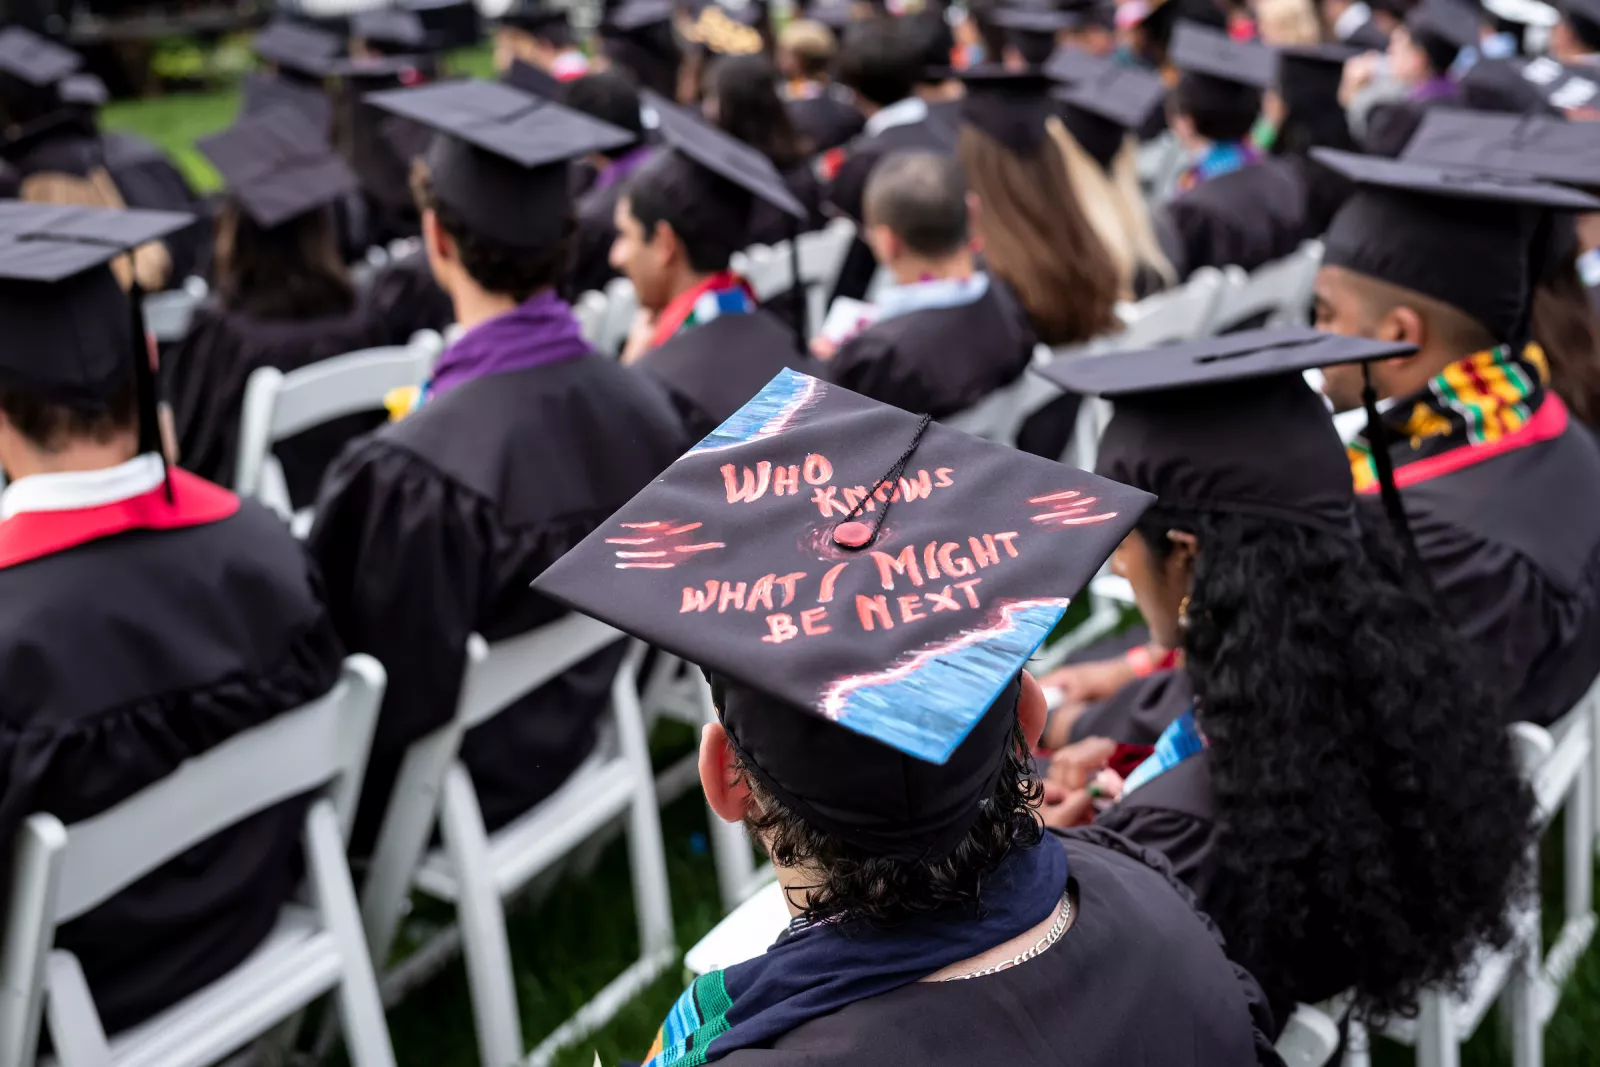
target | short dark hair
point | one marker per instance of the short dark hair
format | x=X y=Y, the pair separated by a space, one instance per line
x=497 y=267
x=922 y=198
x=880 y=61
x=51 y=427
x=1585 y=29
x=853 y=884
x=610 y=97
x=702 y=221
x=1221 y=110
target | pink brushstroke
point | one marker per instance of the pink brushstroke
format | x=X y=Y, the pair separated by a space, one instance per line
x=702 y=547
x=629 y=540
x=646 y=566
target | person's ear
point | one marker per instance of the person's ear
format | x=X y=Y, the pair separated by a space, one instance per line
x=664 y=244
x=725 y=788
x=1180 y=561
x=1402 y=324
x=1032 y=710
x=441 y=249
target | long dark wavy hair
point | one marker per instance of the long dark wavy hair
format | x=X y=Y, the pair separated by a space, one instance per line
x=289 y=272
x=1372 y=825
x=748 y=107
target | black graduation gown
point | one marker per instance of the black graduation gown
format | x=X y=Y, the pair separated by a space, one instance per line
x=824 y=121
x=403 y=298
x=710 y=371
x=207 y=371
x=591 y=248
x=1391 y=124
x=1139 y=711
x=125 y=656
x=1140 y=977
x=432 y=529
x=939 y=361
x=1523 y=588
x=769 y=225
x=1247 y=218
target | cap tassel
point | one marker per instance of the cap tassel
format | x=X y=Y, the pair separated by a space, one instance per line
x=1378 y=439
x=144 y=381
x=852 y=532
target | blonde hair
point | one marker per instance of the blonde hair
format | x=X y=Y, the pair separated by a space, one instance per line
x=1287 y=22
x=809 y=41
x=1116 y=209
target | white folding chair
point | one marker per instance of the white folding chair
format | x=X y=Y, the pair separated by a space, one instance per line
x=1279 y=293
x=821 y=253
x=478 y=871
x=61 y=872
x=590 y=311
x=1309 y=1039
x=167 y=315
x=999 y=416
x=1161 y=160
x=277 y=406
x=622 y=304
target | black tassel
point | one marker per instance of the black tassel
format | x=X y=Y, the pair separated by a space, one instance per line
x=1378 y=441
x=145 y=385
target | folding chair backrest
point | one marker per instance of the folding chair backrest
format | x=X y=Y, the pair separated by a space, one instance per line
x=1277 y=294
x=590 y=311
x=622 y=303
x=498 y=674
x=1181 y=314
x=1309 y=1038
x=821 y=253
x=167 y=315
x=1160 y=161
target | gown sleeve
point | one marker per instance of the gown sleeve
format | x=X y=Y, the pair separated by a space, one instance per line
x=1184 y=840
x=871 y=366
x=403 y=298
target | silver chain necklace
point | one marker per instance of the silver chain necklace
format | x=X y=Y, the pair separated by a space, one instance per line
x=1051 y=936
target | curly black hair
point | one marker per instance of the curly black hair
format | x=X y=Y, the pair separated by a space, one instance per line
x=497 y=268
x=858 y=886
x=1372 y=827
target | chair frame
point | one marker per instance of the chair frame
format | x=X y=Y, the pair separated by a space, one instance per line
x=62 y=872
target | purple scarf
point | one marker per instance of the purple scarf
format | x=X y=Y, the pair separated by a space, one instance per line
x=1440 y=88
x=622 y=166
x=538 y=331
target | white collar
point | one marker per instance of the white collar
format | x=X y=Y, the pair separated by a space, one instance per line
x=907 y=112
x=1589 y=268
x=1352 y=19
x=76 y=490
x=935 y=293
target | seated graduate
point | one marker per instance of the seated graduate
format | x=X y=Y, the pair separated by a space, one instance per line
x=537 y=34
x=946 y=334
x=1034 y=233
x=611 y=97
x=1308 y=710
x=1305 y=113
x=280 y=298
x=1575 y=40
x=1481 y=448
x=430 y=529
x=820 y=111
x=295 y=60
x=680 y=219
x=1421 y=55
x=50 y=128
x=637 y=38
x=873 y=734
x=149 y=616
x=741 y=99
x=1229 y=210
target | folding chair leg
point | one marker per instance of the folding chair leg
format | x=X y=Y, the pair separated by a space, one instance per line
x=1357 y=1045
x=736 y=866
x=484 y=944
x=366 y=1033
x=647 y=859
x=1579 y=832
x=1522 y=994
x=1436 y=1033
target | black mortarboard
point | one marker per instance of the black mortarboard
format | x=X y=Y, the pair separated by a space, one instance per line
x=1536 y=147
x=1069 y=64
x=389 y=29
x=1309 y=75
x=82 y=90
x=636 y=15
x=1198 y=49
x=638 y=37
x=303 y=49
x=1037 y=18
x=1013 y=107
x=535 y=80
x=33 y=59
x=1228 y=424
x=262 y=91
x=1100 y=111
x=537 y=17
x=499 y=156
x=1460 y=235
x=1584 y=18
x=739 y=558
x=834 y=14
x=278 y=166
x=1442 y=28
x=704 y=146
x=70 y=329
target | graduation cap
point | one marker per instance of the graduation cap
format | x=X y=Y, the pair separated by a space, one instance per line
x=535 y=80
x=70 y=329
x=1309 y=75
x=1069 y=64
x=303 y=49
x=499 y=157
x=698 y=148
x=817 y=551
x=1013 y=107
x=1539 y=148
x=1102 y=110
x=1561 y=87
x=1209 y=53
x=1228 y=424
x=278 y=166
x=389 y=29
x=540 y=18
x=1042 y=19
x=82 y=90
x=834 y=14
x=33 y=59
x=1584 y=17
x=262 y=91
x=1442 y=28
x=637 y=15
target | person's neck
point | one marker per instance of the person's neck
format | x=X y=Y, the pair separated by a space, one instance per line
x=796 y=883
x=685 y=281
x=474 y=305
x=914 y=269
x=1424 y=367
x=23 y=462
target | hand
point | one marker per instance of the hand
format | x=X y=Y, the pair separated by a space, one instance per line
x=1064 y=809
x=639 y=335
x=1358 y=74
x=1075 y=766
x=823 y=348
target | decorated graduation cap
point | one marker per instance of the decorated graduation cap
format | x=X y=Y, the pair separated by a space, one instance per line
x=1210 y=54
x=869 y=584
x=1309 y=75
x=1538 y=148
x=1010 y=106
x=1228 y=424
x=390 y=29
x=1557 y=86
x=278 y=166
x=70 y=328
x=1102 y=108
x=1442 y=28
x=295 y=47
x=499 y=156
x=33 y=59
x=703 y=161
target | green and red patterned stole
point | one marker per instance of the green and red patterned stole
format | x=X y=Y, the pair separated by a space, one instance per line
x=1478 y=408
